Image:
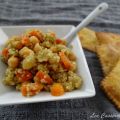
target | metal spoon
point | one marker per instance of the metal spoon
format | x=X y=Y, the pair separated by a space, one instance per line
x=97 y=11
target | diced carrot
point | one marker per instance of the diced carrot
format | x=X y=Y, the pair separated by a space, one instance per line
x=59 y=41
x=40 y=74
x=65 y=61
x=57 y=89
x=30 y=89
x=23 y=75
x=43 y=78
x=24 y=90
x=37 y=34
x=25 y=40
x=19 y=46
x=48 y=80
x=53 y=34
x=34 y=33
x=5 y=52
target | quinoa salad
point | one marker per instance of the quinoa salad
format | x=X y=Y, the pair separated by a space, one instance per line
x=38 y=61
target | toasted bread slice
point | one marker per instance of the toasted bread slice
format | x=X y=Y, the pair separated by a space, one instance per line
x=106 y=38
x=111 y=85
x=108 y=55
x=88 y=39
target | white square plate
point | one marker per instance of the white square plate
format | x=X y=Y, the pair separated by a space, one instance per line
x=11 y=96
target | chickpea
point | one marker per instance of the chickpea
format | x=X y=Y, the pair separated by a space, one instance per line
x=13 y=62
x=17 y=44
x=74 y=66
x=37 y=47
x=36 y=33
x=29 y=62
x=54 y=49
x=24 y=52
x=77 y=83
x=71 y=56
x=68 y=86
x=34 y=40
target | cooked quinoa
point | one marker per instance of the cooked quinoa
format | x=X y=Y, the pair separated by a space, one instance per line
x=40 y=61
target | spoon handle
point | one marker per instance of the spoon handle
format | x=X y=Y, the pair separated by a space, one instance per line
x=97 y=11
